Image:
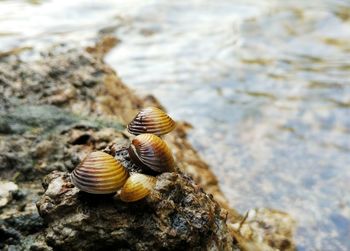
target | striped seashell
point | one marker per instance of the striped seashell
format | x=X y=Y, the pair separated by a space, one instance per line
x=137 y=187
x=150 y=151
x=151 y=120
x=99 y=173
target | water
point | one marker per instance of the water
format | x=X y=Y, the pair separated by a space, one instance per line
x=266 y=85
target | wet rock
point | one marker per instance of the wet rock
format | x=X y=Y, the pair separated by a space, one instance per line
x=177 y=215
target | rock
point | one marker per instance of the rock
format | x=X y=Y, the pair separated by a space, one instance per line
x=19 y=232
x=19 y=220
x=265 y=229
x=6 y=189
x=177 y=215
x=26 y=224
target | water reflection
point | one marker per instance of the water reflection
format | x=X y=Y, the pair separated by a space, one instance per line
x=265 y=83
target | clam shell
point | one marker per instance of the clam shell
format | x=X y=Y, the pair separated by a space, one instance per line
x=137 y=187
x=99 y=173
x=151 y=120
x=148 y=150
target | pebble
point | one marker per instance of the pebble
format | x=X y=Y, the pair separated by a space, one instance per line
x=6 y=189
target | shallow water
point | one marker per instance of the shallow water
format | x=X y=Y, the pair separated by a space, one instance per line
x=266 y=86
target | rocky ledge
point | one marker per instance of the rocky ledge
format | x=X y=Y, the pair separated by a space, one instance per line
x=66 y=102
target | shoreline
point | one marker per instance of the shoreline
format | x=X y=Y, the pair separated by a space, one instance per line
x=84 y=85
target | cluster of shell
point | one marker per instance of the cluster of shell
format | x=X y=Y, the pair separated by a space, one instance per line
x=101 y=173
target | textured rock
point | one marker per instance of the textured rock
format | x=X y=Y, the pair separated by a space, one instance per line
x=177 y=215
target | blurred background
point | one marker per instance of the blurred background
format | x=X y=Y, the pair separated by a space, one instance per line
x=265 y=84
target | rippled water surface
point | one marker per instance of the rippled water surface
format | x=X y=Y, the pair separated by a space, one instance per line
x=266 y=85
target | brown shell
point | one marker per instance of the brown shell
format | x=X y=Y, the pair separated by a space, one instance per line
x=151 y=120
x=99 y=173
x=137 y=187
x=148 y=150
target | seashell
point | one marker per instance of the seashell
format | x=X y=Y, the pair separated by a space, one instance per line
x=137 y=187
x=151 y=120
x=150 y=151
x=99 y=173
